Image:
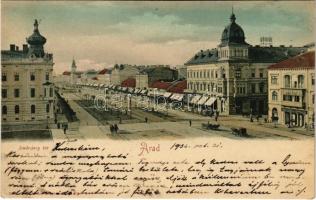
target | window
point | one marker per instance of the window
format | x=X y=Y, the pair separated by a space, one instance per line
x=32 y=76
x=261 y=73
x=274 y=80
x=4 y=77
x=16 y=93
x=300 y=80
x=47 y=108
x=215 y=74
x=313 y=81
x=253 y=88
x=219 y=89
x=296 y=98
x=16 y=77
x=313 y=98
x=16 y=109
x=45 y=93
x=4 y=93
x=287 y=81
x=32 y=109
x=274 y=96
x=253 y=73
x=261 y=87
x=287 y=98
x=32 y=92
x=47 y=76
x=238 y=73
x=4 y=110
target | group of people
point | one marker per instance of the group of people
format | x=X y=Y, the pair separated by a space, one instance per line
x=114 y=128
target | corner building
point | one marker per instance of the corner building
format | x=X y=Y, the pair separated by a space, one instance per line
x=235 y=72
x=27 y=85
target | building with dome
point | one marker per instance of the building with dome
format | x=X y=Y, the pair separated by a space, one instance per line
x=27 y=85
x=234 y=73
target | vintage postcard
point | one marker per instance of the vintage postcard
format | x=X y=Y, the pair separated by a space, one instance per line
x=141 y=99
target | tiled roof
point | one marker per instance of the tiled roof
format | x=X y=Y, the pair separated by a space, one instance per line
x=160 y=85
x=206 y=56
x=256 y=54
x=66 y=73
x=306 y=60
x=104 y=71
x=130 y=82
x=179 y=87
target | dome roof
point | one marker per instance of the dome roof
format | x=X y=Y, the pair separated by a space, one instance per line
x=36 y=38
x=233 y=33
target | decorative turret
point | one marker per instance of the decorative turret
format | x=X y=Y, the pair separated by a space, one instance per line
x=36 y=42
x=233 y=33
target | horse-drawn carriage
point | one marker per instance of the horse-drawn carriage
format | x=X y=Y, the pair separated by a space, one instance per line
x=241 y=132
x=210 y=126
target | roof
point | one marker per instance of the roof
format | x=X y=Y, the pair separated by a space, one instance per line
x=67 y=73
x=130 y=82
x=179 y=87
x=306 y=60
x=206 y=56
x=160 y=85
x=105 y=71
x=256 y=54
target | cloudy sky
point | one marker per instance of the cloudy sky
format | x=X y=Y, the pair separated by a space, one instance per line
x=100 y=34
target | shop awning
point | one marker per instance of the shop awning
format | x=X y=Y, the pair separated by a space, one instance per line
x=210 y=101
x=195 y=99
x=167 y=94
x=202 y=100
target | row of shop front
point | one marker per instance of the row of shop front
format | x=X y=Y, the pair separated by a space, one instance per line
x=199 y=103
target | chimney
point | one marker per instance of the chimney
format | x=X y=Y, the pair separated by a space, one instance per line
x=12 y=47
x=25 y=48
x=17 y=48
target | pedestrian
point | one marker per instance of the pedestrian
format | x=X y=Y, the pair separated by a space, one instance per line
x=116 y=128
x=120 y=120
x=65 y=130
x=190 y=122
x=257 y=118
x=111 y=128
x=146 y=119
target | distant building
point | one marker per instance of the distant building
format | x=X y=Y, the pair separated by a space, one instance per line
x=123 y=72
x=235 y=73
x=291 y=90
x=104 y=76
x=27 y=85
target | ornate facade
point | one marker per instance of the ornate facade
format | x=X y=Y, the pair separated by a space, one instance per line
x=27 y=85
x=291 y=91
x=235 y=72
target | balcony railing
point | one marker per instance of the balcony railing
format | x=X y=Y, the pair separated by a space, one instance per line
x=293 y=104
x=293 y=91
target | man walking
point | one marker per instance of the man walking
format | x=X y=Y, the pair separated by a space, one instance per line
x=190 y=122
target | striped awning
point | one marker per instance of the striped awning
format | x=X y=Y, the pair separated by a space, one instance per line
x=210 y=101
x=202 y=100
x=195 y=99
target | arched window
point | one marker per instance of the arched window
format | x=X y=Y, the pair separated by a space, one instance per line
x=287 y=81
x=4 y=110
x=17 y=109
x=32 y=109
x=300 y=80
x=274 y=96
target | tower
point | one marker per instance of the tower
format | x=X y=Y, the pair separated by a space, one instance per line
x=73 y=72
x=36 y=42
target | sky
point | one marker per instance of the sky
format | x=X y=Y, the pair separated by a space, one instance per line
x=99 y=34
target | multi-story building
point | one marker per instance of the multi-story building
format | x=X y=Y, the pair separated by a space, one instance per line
x=291 y=90
x=27 y=85
x=235 y=72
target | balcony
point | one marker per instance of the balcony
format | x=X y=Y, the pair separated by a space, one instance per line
x=293 y=91
x=293 y=104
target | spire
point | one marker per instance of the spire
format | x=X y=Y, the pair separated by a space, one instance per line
x=36 y=26
x=73 y=65
x=232 y=16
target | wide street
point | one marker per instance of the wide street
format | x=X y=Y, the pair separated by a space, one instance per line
x=173 y=126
